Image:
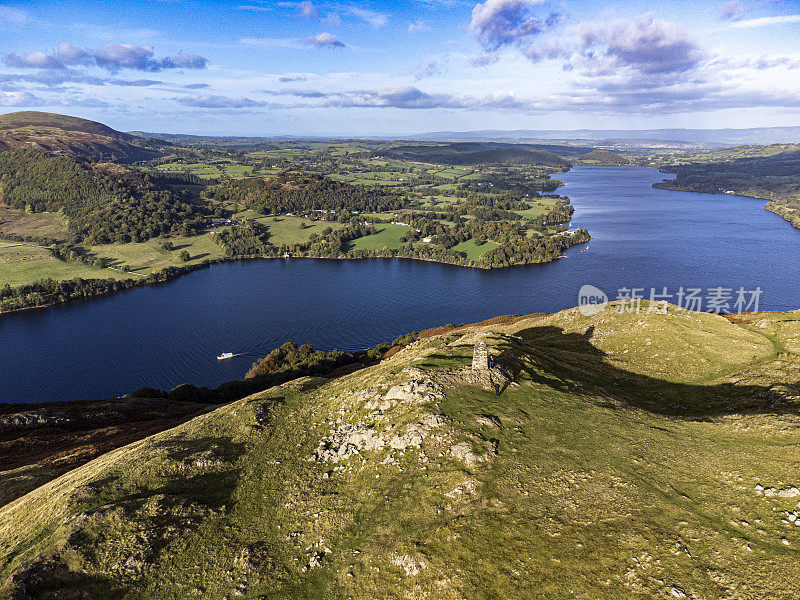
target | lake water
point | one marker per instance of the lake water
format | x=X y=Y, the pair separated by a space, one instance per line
x=164 y=335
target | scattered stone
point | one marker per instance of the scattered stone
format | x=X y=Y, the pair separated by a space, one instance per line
x=677 y=592
x=419 y=390
x=409 y=565
x=789 y=492
x=468 y=487
x=463 y=451
x=412 y=437
x=432 y=421
x=488 y=421
x=314 y=562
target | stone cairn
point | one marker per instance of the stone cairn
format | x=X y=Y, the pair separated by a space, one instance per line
x=480 y=356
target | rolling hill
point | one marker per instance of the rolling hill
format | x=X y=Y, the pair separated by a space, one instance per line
x=626 y=456
x=73 y=137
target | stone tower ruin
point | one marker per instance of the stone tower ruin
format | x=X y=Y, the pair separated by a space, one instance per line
x=480 y=356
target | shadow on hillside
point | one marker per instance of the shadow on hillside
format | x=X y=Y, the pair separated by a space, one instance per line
x=197 y=478
x=52 y=579
x=569 y=362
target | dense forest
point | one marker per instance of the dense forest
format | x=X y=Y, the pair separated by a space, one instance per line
x=37 y=182
x=307 y=360
x=102 y=203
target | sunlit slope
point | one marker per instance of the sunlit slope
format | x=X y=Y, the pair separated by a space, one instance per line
x=71 y=136
x=628 y=456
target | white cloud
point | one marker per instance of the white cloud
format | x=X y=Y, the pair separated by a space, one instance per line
x=19 y=99
x=765 y=21
x=254 y=8
x=418 y=26
x=324 y=40
x=633 y=48
x=308 y=10
x=111 y=57
x=270 y=42
x=499 y=22
x=731 y=9
x=13 y=16
x=213 y=101
x=428 y=68
x=376 y=19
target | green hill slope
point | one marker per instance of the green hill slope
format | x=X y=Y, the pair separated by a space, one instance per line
x=72 y=136
x=627 y=456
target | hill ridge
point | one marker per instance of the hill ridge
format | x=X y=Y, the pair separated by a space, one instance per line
x=72 y=136
x=607 y=467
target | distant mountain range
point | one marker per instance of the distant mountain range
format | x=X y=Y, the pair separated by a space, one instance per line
x=726 y=137
x=80 y=137
x=607 y=138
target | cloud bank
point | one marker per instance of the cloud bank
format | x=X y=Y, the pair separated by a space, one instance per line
x=112 y=57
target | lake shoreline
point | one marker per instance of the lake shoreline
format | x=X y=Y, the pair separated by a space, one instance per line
x=772 y=205
x=177 y=272
x=160 y=336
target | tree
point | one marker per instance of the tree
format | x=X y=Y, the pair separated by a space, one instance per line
x=168 y=246
x=184 y=256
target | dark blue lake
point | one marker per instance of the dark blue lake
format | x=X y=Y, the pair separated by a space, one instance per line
x=169 y=334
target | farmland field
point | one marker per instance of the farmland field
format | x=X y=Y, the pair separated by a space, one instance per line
x=388 y=236
x=288 y=230
x=44 y=225
x=472 y=250
x=25 y=263
x=144 y=257
x=538 y=207
x=208 y=170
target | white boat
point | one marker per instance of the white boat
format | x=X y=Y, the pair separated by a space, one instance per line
x=225 y=356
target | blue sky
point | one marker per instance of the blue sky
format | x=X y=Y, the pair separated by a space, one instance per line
x=264 y=67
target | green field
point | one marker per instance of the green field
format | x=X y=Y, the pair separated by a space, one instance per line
x=538 y=206
x=208 y=170
x=381 y=216
x=455 y=172
x=148 y=256
x=387 y=236
x=43 y=225
x=288 y=230
x=22 y=263
x=472 y=250
x=384 y=179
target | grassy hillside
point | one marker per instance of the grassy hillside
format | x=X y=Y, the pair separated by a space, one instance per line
x=72 y=136
x=30 y=118
x=628 y=456
x=21 y=263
